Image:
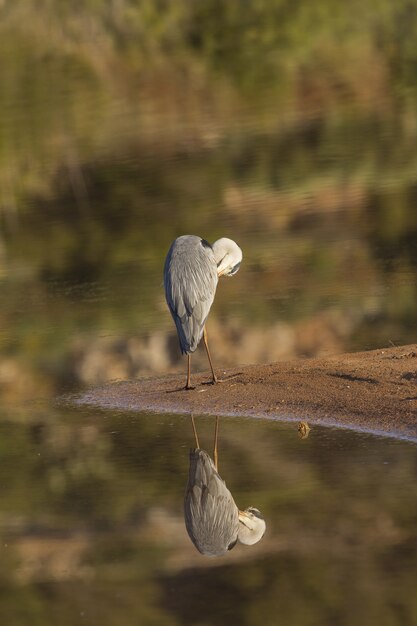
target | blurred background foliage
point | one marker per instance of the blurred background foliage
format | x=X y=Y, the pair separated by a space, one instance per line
x=289 y=126
x=82 y=80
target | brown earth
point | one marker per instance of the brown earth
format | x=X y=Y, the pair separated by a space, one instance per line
x=375 y=391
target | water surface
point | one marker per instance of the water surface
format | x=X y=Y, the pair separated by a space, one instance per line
x=92 y=529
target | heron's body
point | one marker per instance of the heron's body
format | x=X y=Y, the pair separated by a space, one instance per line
x=191 y=272
x=211 y=515
x=190 y=286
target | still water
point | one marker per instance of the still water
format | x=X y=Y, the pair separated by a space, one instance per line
x=92 y=524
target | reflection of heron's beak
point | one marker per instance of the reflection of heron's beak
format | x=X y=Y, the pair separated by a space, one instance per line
x=243 y=517
x=251 y=528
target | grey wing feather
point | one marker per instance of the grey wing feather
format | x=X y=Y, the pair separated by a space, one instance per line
x=211 y=515
x=190 y=279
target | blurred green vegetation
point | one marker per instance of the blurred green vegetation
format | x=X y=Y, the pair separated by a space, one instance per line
x=82 y=80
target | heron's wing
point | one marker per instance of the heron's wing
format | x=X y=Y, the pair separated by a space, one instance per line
x=211 y=515
x=190 y=279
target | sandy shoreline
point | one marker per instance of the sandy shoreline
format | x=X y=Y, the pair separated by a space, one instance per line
x=375 y=391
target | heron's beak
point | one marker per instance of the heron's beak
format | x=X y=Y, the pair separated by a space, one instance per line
x=234 y=270
x=227 y=270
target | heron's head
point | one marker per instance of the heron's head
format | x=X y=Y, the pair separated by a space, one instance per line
x=251 y=526
x=228 y=256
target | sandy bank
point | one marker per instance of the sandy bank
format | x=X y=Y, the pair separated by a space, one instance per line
x=375 y=390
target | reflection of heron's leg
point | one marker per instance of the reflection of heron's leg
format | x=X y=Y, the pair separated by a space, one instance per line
x=215 y=455
x=208 y=354
x=195 y=431
x=188 y=385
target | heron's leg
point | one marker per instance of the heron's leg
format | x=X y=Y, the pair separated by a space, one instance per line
x=195 y=431
x=215 y=379
x=188 y=385
x=215 y=454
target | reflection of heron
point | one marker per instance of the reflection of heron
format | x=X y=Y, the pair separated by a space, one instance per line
x=213 y=521
x=191 y=272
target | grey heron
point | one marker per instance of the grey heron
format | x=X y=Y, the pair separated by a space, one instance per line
x=192 y=268
x=213 y=521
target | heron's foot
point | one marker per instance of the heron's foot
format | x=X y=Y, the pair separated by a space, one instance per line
x=216 y=380
x=213 y=381
x=190 y=388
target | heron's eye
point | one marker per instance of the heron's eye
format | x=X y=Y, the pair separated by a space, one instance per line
x=255 y=512
x=232 y=545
